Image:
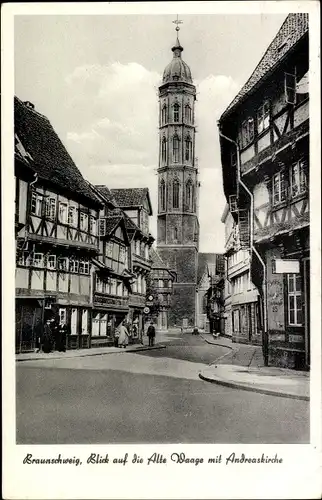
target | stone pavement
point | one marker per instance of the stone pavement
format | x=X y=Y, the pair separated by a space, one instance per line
x=79 y=353
x=242 y=367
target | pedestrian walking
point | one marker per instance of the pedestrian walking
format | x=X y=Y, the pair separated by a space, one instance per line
x=151 y=334
x=195 y=331
x=124 y=335
x=116 y=338
x=47 y=340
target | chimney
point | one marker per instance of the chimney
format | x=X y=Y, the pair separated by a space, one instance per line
x=29 y=104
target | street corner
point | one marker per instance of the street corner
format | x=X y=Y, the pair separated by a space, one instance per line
x=268 y=382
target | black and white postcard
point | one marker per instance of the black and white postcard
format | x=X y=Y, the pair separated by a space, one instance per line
x=161 y=250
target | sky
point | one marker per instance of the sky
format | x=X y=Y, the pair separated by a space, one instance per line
x=96 y=78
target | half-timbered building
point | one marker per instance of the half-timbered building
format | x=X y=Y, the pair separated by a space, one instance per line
x=242 y=318
x=112 y=278
x=209 y=310
x=136 y=207
x=160 y=290
x=58 y=238
x=264 y=136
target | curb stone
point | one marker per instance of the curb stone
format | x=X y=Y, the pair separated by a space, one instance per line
x=235 y=385
x=145 y=348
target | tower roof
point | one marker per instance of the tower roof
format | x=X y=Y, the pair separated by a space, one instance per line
x=177 y=69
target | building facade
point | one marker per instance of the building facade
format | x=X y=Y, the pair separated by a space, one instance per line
x=242 y=318
x=178 y=226
x=57 y=238
x=209 y=312
x=264 y=136
x=136 y=205
x=159 y=293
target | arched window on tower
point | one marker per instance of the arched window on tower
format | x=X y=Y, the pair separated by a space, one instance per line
x=175 y=150
x=175 y=193
x=164 y=149
x=176 y=112
x=175 y=233
x=188 y=113
x=188 y=153
x=189 y=194
x=193 y=203
x=164 y=114
x=162 y=195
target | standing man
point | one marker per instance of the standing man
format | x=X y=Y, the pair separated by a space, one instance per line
x=151 y=334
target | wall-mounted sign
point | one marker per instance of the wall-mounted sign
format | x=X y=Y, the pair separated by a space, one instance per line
x=288 y=266
x=295 y=338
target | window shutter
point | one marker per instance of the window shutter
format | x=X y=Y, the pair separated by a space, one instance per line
x=233 y=208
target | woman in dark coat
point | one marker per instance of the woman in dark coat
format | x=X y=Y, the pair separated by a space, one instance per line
x=47 y=340
x=62 y=335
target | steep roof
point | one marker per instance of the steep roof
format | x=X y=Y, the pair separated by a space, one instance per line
x=106 y=194
x=50 y=158
x=204 y=259
x=292 y=30
x=157 y=262
x=132 y=197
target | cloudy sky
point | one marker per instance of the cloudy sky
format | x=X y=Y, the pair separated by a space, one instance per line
x=96 y=78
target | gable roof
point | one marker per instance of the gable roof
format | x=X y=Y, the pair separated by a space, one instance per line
x=132 y=197
x=204 y=259
x=50 y=158
x=157 y=262
x=106 y=194
x=292 y=30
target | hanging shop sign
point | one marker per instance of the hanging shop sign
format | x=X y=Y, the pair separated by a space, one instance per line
x=287 y=266
x=146 y=310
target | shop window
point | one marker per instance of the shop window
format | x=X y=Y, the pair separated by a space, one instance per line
x=84 y=322
x=298 y=178
x=73 y=322
x=294 y=300
x=236 y=322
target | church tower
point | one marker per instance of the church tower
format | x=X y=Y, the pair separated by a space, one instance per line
x=178 y=186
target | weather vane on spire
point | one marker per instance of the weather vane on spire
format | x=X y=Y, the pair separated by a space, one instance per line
x=177 y=22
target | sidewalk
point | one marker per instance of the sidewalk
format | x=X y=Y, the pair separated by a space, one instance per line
x=80 y=353
x=242 y=367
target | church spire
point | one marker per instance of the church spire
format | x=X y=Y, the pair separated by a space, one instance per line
x=177 y=48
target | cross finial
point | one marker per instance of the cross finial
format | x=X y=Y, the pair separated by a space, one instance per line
x=177 y=22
